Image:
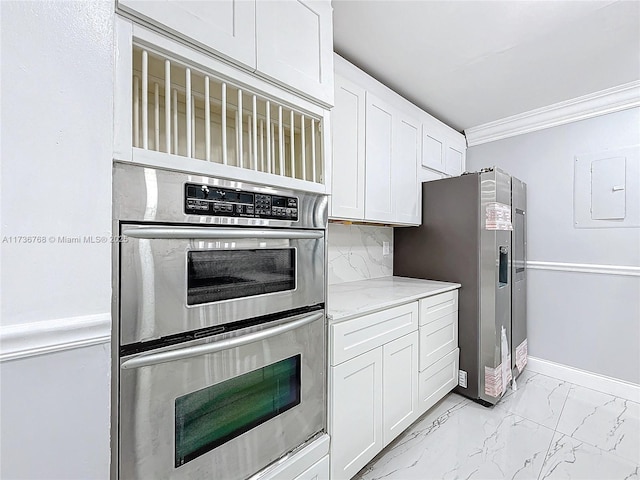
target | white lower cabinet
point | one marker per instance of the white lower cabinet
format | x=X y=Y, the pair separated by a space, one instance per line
x=438 y=338
x=317 y=471
x=387 y=369
x=309 y=463
x=374 y=398
x=373 y=393
x=355 y=422
x=438 y=380
x=439 y=352
x=399 y=385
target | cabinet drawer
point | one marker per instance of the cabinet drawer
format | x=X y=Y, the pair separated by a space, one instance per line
x=353 y=337
x=438 y=338
x=438 y=380
x=433 y=308
x=318 y=471
x=310 y=463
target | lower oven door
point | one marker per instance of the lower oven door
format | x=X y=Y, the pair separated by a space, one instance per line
x=223 y=408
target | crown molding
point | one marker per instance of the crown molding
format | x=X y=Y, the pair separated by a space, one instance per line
x=606 y=101
x=38 y=338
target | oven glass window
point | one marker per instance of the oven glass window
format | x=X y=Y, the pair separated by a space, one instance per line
x=207 y=418
x=216 y=275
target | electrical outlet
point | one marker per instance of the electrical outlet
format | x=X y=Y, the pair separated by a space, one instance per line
x=386 y=250
x=462 y=378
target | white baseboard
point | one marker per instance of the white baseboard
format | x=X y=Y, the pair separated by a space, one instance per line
x=38 y=338
x=594 y=381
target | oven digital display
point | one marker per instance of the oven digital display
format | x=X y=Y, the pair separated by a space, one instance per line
x=210 y=417
x=224 y=202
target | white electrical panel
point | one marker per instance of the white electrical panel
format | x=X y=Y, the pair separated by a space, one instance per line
x=607 y=189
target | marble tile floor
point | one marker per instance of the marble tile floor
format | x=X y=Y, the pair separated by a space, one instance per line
x=547 y=429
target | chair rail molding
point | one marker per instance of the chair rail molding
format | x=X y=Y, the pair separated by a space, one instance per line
x=611 y=100
x=625 y=270
x=38 y=338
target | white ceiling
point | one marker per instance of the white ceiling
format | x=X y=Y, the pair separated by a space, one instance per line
x=472 y=62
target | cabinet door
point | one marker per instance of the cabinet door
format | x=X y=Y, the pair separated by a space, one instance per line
x=294 y=41
x=406 y=158
x=355 y=420
x=433 y=149
x=455 y=160
x=347 y=119
x=225 y=26
x=379 y=153
x=400 y=383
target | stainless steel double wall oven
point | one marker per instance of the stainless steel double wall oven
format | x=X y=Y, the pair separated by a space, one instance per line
x=220 y=328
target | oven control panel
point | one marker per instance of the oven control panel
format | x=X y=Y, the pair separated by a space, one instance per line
x=223 y=202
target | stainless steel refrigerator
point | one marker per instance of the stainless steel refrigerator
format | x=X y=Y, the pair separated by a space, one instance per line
x=473 y=232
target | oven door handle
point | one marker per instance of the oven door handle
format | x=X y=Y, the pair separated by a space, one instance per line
x=218 y=233
x=145 y=360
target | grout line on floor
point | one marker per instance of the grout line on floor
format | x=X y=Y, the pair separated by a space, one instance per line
x=564 y=404
x=555 y=430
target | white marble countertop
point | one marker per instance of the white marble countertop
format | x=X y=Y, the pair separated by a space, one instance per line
x=352 y=299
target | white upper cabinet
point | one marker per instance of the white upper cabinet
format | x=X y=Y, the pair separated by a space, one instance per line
x=347 y=119
x=295 y=45
x=225 y=26
x=455 y=159
x=392 y=155
x=287 y=41
x=376 y=151
x=406 y=188
x=433 y=144
x=379 y=155
x=443 y=149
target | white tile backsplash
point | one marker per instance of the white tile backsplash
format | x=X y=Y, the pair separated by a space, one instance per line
x=355 y=252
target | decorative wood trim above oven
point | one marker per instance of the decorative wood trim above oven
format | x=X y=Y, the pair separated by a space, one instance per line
x=38 y=338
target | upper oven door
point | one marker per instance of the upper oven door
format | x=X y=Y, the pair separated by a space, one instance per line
x=179 y=279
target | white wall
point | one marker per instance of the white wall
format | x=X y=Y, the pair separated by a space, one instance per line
x=57 y=127
x=355 y=252
x=56 y=130
x=55 y=418
x=589 y=321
